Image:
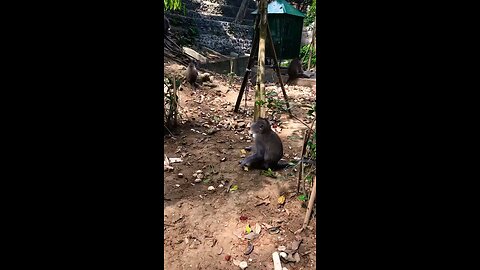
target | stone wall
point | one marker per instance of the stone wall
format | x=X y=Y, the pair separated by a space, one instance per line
x=213 y=19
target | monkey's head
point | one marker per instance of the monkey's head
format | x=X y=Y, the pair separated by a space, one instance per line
x=261 y=126
x=193 y=64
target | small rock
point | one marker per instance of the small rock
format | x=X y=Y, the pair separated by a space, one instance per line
x=223 y=159
x=220 y=186
x=283 y=254
x=296 y=257
x=199 y=171
x=282 y=248
x=211 y=131
x=200 y=175
x=198 y=180
x=177 y=185
x=180 y=175
x=243 y=265
x=211 y=188
x=227 y=257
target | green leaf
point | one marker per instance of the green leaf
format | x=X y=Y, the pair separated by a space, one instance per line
x=303 y=198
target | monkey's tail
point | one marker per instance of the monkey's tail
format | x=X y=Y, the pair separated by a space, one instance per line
x=283 y=164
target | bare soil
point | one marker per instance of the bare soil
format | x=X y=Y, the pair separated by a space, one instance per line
x=202 y=227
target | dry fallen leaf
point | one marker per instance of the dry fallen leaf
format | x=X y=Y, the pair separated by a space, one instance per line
x=281 y=199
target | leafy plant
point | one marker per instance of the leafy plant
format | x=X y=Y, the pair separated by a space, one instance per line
x=273 y=103
x=304 y=54
x=311 y=14
x=269 y=173
x=303 y=198
x=172 y=5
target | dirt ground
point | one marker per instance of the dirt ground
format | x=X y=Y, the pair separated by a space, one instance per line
x=204 y=227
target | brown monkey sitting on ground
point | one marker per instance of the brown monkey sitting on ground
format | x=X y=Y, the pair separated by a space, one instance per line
x=295 y=70
x=268 y=147
x=191 y=74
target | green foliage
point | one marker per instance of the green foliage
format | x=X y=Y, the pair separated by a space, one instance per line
x=173 y=5
x=269 y=173
x=303 y=198
x=311 y=14
x=312 y=143
x=274 y=103
x=309 y=178
x=312 y=110
x=260 y=102
x=304 y=54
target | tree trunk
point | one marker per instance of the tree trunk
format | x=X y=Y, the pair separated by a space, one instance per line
x=259 y=109
x=241 y=12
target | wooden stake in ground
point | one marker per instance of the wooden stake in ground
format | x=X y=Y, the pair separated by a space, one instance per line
x=310 y=206
x=259 y=109
x=308 y=133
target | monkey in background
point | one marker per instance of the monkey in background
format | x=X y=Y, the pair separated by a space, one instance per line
x=191 y=74
x=295 y=70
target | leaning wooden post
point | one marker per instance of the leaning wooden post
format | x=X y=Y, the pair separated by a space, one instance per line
x=249 y=65
x=259 y=108
x=310 y=206
x=277 y=69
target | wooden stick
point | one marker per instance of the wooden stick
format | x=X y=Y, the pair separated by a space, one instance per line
x=310 y=203
x=277 y=69
x=251 y=59
x=304 y=149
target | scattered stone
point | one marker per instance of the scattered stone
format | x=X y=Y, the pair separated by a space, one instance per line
x=243 y=265
x=223 y=159
x=296 y=257
x=276 y=261
x=180 y=175
x=177 y=185
x=198 y=180
x=211 y=188
x=227 y=257
x=211 y=131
